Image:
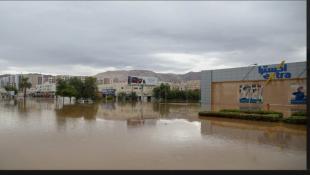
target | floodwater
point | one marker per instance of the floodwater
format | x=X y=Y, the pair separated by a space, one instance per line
x=42 y=134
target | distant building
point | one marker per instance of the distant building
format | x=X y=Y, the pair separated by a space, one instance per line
x=46 y=87
x=143 y=90
x=106 y=81
x=63 y=77
x=184 y=85
x=34 y=79
x=115 y=80
x=67 y=77
x=9 y=79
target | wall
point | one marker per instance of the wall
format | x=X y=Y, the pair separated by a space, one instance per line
x=277 y=92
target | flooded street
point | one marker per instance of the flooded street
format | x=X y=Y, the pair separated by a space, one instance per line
x=38 y=134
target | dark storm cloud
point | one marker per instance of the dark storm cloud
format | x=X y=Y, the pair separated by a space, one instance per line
x=90 y=37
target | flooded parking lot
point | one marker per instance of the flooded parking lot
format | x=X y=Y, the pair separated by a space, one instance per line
x=42 y=134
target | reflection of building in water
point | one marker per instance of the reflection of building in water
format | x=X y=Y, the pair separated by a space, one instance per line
x=255 y=132
x=177 y=110
x=124 y=111
x=31 y=105
x=86 y=111
x=137 y=122
x=134 y=122
x=108 y=106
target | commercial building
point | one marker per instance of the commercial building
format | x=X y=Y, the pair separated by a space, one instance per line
x=184 y=85
x=252 y=87
x=67 y=77
x=143 y=89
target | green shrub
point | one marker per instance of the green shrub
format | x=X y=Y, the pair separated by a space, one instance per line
x=110 y=98
x=247 y=116
x=296 y=120
x=299 y=113
x=252 y=111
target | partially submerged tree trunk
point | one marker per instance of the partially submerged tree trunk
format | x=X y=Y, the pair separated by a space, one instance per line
x=24 y=92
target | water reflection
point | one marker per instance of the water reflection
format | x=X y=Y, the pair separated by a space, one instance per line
x=282 y=136
x=86 y=111
x=108 y=106
x=22 y=107
x=162 y=108
x=141 y=136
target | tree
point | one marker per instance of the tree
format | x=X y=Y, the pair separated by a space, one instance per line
x=75 y=87
x=90 y=88
x=78 y=85
x=162 y=91
x=60 y=87
x=121 y=96
x=132 y=96
x=24 y=85
x=69 y=91
x=10 y=88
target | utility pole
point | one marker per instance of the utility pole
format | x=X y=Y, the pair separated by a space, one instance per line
x=166 y=94
x=131 y=92
x=141 y=92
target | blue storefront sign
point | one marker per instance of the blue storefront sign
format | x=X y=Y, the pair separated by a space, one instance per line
x=108 y=91
x=280 y=73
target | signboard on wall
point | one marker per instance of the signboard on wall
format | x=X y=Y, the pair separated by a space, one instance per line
x=279 y=72
x=108 y=91
x=142 y=80
x=298 y=93
x=250 y=93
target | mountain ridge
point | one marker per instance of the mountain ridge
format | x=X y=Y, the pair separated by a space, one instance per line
x=122 y=75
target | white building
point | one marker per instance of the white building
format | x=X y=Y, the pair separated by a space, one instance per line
x=46 y=87
x=143 y=91
x=8 y=79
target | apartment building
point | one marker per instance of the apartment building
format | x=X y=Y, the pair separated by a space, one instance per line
x=144 y=90
x=9 y=79
x=184 y=85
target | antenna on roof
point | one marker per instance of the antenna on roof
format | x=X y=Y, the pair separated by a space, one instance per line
x=247 y=74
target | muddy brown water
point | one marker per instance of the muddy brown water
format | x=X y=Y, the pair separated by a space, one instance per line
x=42 y=134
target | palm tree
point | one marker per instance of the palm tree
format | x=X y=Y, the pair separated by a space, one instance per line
x=24 y=84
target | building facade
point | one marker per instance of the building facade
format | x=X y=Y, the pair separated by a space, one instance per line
x=246 y=86
x=114 y=87
x=11 y=80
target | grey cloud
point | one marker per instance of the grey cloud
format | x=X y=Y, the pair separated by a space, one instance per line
x=119 y=34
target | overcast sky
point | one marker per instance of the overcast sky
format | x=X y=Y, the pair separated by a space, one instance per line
x=85 y=38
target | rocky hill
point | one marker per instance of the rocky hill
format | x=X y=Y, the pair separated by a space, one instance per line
x=122 y=75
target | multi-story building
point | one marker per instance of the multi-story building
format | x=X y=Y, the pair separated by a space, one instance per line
x=143 y=91
x=184 y=85
x=46 y=87
x=9 y=79
x=63 y=77
x=190 y=85
x=67 y=77
x=34 y=79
